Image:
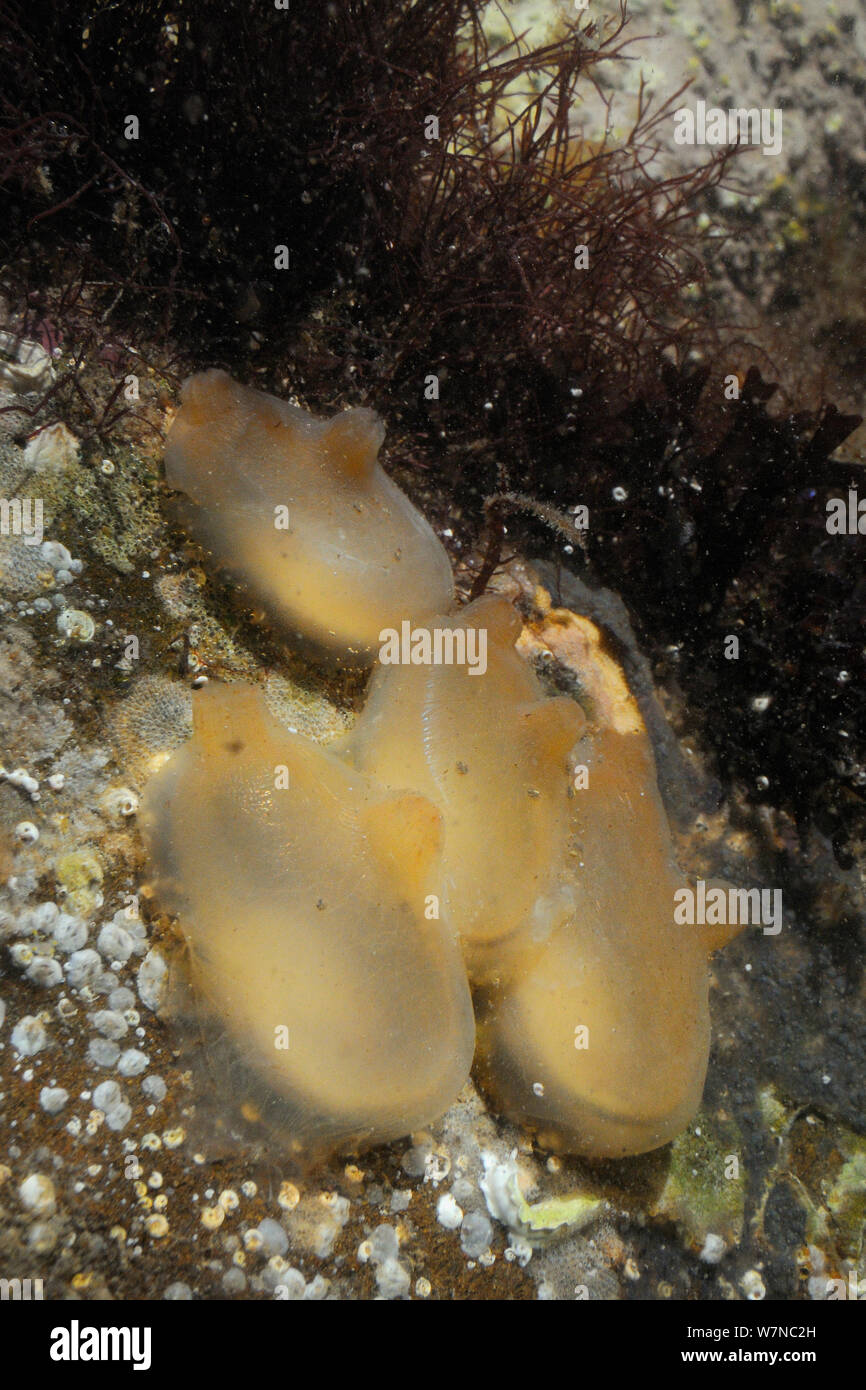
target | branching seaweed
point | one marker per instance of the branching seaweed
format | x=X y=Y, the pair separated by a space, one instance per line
x=372 y=201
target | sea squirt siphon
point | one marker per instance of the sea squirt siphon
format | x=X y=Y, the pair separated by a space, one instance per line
x=300 y=887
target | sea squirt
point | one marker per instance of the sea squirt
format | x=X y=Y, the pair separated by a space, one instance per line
x=601 y=1044
x=301 y=510
x=490 y=750
x=300 y=887
x=444 y=837
x=560 y=877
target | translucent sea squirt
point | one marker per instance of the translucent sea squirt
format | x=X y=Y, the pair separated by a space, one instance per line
x=303 y=512
x=490 y=750
x=601 y=1044
x=300 y=887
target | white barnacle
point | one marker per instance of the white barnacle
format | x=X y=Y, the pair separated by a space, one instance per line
x=119 y=803
x=76 y=625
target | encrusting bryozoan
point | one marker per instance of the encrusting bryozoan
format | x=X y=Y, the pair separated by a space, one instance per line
x=301 y=887
x=303 y=512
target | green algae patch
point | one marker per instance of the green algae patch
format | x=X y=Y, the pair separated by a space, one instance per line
x=846 y=1200
x=776 y=1117
x=557 y=1214
x=704 y=1193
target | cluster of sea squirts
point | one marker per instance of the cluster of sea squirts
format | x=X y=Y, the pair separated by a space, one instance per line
x=475 y=871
